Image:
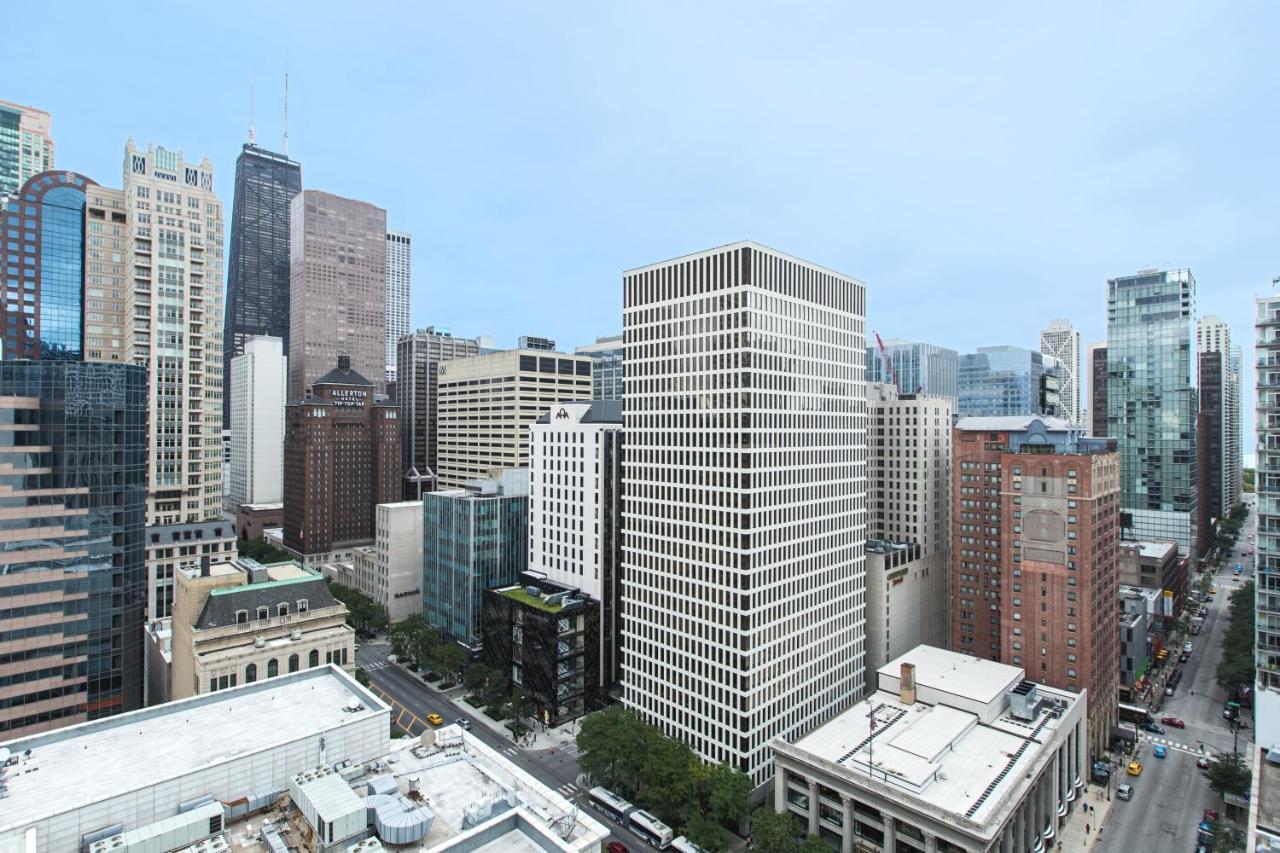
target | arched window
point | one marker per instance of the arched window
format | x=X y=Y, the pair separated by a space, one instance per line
x=263 y=613
x=273 y=668
x=282 y=609
x=242 y=616
x=293 y=663
x=251 y=673
x=314 y=659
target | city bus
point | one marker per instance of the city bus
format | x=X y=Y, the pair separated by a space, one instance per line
x=1135 y=715
x=650 y=829
x=610 y=804
x=684 y=845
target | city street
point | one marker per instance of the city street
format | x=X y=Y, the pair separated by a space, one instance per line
x=1171 y=794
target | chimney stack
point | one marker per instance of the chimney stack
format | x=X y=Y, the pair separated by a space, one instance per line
x=907 y=684
x=344 y=362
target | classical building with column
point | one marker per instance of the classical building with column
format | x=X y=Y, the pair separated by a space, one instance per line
x=952 y=753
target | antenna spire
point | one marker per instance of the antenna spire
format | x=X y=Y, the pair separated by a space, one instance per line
x=286 y=115
x=251 y=114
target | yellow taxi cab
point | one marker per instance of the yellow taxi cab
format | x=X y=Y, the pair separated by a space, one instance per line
x=435 y=719
x=1135 y=768
x=1213 y=590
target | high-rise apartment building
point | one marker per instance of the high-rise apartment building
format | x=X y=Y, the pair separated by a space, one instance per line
x=1151 y=404
x=1267 y=577
x=399 y=294
x=258 y=268
x=1097 y=370
x=606 y=367
x=1213 y=335
x=1061 y=340
x=418 y=358
x=26 y=145
x=257 y=382
x=73 y=590
x=1035 y=549
x=920 y=368
x=341 y=459
x=337 y=289
x=744 y=499
x=1004 y=381
x=487 y=402
x=173 y=310
x=909 y=522
x=105 y=279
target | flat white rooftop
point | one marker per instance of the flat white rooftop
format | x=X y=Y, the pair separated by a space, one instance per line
x=955 y=674
x=72 y=767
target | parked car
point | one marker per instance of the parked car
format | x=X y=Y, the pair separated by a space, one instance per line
x=1159 y=750
x=1152 y=728
x=1176 y=722
x=1125 y=791
x=1210 y=815
x=616 y=847
x=1135 y=768
x=1184 y=657
x=1188 y=647
x=463 y=722
x=1204 y=611
x=1100 y=772
x=1170 y=689
x=1203 y=762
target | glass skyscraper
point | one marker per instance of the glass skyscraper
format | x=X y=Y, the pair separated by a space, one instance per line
x=1004 y=380
x=920 y=368
x=606 y=367
x=1151 y=405
x=26 y=146
x=73 y=486
x=258 y=269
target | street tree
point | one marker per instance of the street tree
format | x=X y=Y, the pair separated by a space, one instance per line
x=705 y=832
x=667 y=780
x=729 y=794
x=814 y=844
x=1228 y=774
x=772 y=832
x=611 y=745
x=476 y=677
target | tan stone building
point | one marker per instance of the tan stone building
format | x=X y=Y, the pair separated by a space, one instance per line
x=240 y=622
x=486 y=404
x=337 y=289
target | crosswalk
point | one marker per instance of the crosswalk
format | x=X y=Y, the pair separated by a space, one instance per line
x=1183 y=747
x=510 y=750
x=568 y=790
x=378 y=664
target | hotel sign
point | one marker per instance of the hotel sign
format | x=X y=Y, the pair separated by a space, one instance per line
x=352 y=398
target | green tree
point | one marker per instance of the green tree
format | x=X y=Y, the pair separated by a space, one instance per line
x=262 y=551
x=363 y=613
x=449 y=659
x=412 y=639
x=1228 y=774
x=814 y=844
x=611 y=746
x=496 y=690
x=772 y=832
x=705 y=832
x=476 y=677
x=362 y=677
x=1237 y=664
x=666 y=776
x=729 y=794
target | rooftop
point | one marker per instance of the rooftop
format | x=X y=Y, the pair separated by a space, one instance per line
x=741 y=244
x=1152 y=550
x=1012 y=423
x=167 y=534
x=597 y=412
x=94 y=761
x=1268 y=794
x=959 y=675
x=517 y=593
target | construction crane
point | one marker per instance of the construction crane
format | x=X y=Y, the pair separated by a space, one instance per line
x=888 y=365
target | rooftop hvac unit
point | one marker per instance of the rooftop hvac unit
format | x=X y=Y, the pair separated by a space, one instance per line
x=295 y=634
x=533 y=591
x=1024 y=701
x=259 y=642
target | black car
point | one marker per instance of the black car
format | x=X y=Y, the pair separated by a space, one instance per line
x=1152 y=728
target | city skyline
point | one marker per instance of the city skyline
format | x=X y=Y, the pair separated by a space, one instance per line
x=536 y=156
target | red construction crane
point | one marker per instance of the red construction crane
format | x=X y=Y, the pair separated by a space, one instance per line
x=888 y=365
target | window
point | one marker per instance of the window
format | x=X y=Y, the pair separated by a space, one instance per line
x=282 y=609
x=273 y=668
x=293 y=663
x=263 y=613
x=251 y=673
x=314 y=658
x=302 y=605
x=242 y=617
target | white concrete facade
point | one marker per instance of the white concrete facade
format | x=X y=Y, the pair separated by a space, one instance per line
x=745 y=481
x=399 y=293
x=258 y=379
x=1061 y=340
x=174 y=327
x=390 y=571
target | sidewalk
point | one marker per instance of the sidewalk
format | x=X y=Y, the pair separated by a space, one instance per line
x=550 y=740
x=1072 y=835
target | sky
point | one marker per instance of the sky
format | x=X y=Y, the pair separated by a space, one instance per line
x=984 y=168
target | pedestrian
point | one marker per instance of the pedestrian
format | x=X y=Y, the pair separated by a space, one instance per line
x=1086 y=829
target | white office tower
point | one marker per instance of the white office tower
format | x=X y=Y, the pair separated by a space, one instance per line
x=1061 y=340
x=744 y=501
x=174 y=327
x=909 y=523
x=575 y=478
x=1214 y=335
x=399 y=255
x=258 y=378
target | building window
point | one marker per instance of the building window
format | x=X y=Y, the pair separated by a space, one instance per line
x=302 y=605
x=263 y=613
x=242 y=617
x=314 y=658
x=282 y=609
x=251 y=673
x=293 y=663
x=273 y=668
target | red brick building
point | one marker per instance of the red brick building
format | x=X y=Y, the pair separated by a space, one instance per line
x=1036 y=546
x=341 y=459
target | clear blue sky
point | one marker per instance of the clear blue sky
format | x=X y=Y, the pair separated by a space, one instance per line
x=983 y=167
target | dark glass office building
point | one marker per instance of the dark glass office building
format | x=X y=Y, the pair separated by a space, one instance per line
x=258 y=264
x=73 y=487
x=43 y=230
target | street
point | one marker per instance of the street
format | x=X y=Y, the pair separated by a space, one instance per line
x=1171 y=794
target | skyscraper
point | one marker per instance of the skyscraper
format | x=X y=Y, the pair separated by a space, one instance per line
x=258 y=269
x=1003 y=380
x=1267 y=578
x=26 y=146
x=1214 y=335
x=73 y=591
x=919 y=368
x=337 y=289
x=257 y=381
x=174 y=315
x=418 y=360
x=1096 y=369
x=606 y=367
x=744 y=498
x=1151 y=404
x=1061 y=340
x=399 y=294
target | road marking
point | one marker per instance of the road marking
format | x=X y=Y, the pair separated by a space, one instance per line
x=511 y=750
x=568 y=790
x=378 y=664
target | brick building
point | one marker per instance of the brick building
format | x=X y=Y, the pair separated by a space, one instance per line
x=1036 y=543
x=342 y=459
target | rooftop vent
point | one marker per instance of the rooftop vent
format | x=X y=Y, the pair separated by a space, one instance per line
x=907 y=684
x=1024 y=701
x=533 y=591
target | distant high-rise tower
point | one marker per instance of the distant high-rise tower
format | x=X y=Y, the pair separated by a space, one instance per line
x=1005 y=380
x=919 y=367
x=399 y=293
x=745 y=478
x=1151 y=404
x=1061 y=340
x=1213 y=335
x=337 y=289
x=174 y=315
x=1096 y=370
x=26 y=146
x=258 y=269
x=419 y=356
x=606 y=367
x=1267 y=351
x=256 y=388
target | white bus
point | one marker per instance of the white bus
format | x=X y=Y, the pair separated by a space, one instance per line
x=684 y=845
x=650 y=829
x=604 y=800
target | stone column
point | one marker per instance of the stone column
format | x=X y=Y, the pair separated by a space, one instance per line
x=930 y=843
x=846 y=826
x=890 y=832
x=813 y=808
x=780 y=790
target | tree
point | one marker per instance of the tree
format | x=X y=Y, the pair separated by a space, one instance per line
x=1228 y=774
x=611 y=745
x=261 y=550
x=449 y=659
x=729 y=794
x=362 y=677
x=772 y=832
x=476 y=677
x=814 y=844
x=1237 y=664
x=666 y=777
x=704 y=832
x=415 y=640
x=363 y=613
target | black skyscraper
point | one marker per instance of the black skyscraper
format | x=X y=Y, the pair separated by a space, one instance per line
x=258 y=269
